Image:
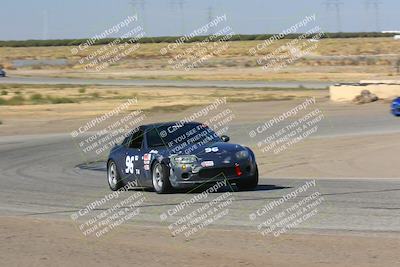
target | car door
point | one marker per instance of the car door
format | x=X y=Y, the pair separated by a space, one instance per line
x=132 y=158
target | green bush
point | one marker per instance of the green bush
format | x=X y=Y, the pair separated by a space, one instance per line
x=95 y=94
x=36 y=97
x=16 y=100
x=4 y=92
x=82 y=90
x=172 y=39
x=59 y=100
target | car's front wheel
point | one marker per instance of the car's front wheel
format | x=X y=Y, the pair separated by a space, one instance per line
x=160 y=176
x=249 y=183
x=113 y=177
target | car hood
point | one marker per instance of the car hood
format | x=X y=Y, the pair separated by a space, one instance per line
x=216 y=148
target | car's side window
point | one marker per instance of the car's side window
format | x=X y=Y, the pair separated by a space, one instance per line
x=137 y=140
x=126 y=140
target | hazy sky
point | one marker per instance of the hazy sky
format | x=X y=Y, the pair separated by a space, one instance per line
x=59 y=19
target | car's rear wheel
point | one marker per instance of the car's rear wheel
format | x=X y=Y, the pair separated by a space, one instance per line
x=160 y=176
x=249 y=183
x=113 y=177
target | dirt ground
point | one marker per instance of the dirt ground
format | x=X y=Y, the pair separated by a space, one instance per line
x=30 y=241
x=35 y=115
x=37 y=242
x=311 y=158
x=350 y=60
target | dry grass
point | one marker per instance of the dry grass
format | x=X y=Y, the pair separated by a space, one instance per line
x=334 y=60
x=326 y=47
x=36 y=100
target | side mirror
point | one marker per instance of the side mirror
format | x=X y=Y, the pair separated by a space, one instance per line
x=225 y=138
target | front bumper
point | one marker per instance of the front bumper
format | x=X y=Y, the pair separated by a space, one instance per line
x=184 y=176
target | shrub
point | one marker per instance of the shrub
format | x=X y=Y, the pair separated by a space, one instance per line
x=95 y=94
x=82 y=90
x=4 y=92
x=59 y=100
x=16 y=100
x=172 y=39
x=36 y=97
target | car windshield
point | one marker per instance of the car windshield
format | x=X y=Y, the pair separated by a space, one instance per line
x=179 y=137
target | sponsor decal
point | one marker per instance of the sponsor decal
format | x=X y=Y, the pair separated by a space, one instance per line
x=208 y=163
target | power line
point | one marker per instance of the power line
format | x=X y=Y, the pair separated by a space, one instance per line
x=45 y=32
x=210 y=15
x=375 y=4
x=180 y=5
x=337 y=5
x=136 y=4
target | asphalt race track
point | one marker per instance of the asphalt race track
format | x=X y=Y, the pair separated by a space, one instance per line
x=40 y=178
x=163 y=83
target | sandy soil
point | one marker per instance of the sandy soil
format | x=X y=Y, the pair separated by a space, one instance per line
x=36 y=242
x=36 y=117
x=28 y=241
x=333 y=156
x=336 y=60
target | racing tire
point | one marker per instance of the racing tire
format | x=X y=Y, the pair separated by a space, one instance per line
x=160 y=179
x=113 y=177
x=248 y=183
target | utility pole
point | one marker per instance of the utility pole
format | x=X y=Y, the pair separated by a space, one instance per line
x=136 y=4
x=336 y=4
x=210 y=17
x=179 y=4
x=45 y=32
x=375 y=4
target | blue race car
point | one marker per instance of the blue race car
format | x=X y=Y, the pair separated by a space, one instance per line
x=396 y=107
x=178 y=155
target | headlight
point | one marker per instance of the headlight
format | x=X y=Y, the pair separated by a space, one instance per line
x=186 y=159
x=243 y=154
